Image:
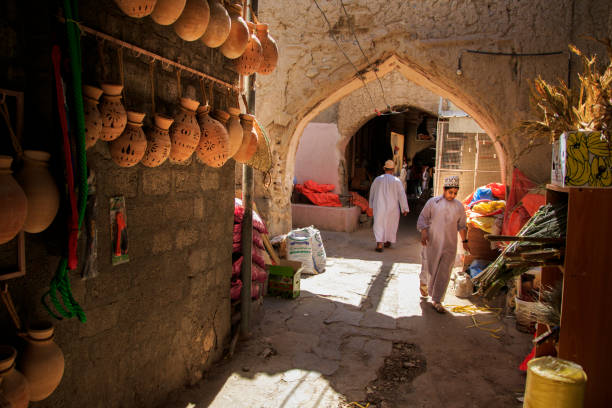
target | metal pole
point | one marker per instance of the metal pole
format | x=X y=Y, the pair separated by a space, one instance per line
x=247 y=222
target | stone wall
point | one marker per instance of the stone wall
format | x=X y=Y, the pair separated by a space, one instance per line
x=158 y=322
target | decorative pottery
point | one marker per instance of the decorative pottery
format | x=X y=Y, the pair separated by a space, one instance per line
x=114 y=116
x=93 y=118
x=249 y=141
x=238 y=38
x=270 y=50
x=158 y=146
x=40 y=190
x=130 y=147
x=218 y=26
x=136 y=8
x=234 y=129
x=13 y=202
x=185 y=131
x=42 y=362
x=13 y=385
x=166 y=12
x=213 y=148
x=192 y=24
x=250 y=60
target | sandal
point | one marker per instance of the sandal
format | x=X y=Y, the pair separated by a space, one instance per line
x=387 y=245
x=379 y=249
x=439 y=308
x=424 y=291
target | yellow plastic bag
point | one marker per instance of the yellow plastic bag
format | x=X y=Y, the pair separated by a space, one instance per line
x=553 y=382
x=489 y=207
x=487 y=224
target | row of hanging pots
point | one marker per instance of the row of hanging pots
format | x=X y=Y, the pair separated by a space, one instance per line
x=30 y=200
x=217 y=26
x=40 y=368
x=215 y=136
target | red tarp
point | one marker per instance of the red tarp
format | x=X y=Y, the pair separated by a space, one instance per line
x=319 y=194
x=521 y=204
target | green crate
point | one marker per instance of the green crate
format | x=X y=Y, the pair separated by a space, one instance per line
x=284 y=279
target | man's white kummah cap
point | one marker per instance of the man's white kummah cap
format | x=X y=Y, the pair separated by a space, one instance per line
x=451 y=182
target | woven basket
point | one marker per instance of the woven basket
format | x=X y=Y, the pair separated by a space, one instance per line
x=262 y=159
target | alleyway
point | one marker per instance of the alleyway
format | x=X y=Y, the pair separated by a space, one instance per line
x=332 y=345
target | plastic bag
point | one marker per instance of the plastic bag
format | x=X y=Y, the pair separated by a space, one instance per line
x=487 y=224
x=463 y=286
x=318 y=250
x=299 y=248
x=258 y=223
x=235 y=289
x=489 y=207
x=237 y=267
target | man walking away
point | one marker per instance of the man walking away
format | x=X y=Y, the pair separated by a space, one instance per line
x=442 y=217
x=387 y=199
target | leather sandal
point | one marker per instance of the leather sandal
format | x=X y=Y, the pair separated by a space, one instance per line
x=439 y=308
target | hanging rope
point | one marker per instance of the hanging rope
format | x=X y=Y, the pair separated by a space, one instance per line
x=7 y=118
x=152 y=79
x=10 y=307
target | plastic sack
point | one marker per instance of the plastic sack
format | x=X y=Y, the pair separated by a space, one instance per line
x=318 y=250
x=258 y=258
x=258 y=223
x=489 y=208
x=362 y=203
x=487 y=224
x=237 y=267
x=318 y=188
x=476 y=267
x=483 y=193
x=235 y=289
x=299 y=249
x=463 y=286
x=258 y=274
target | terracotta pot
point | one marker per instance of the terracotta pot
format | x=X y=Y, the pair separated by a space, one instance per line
x=13 y=385
x=213 y=148
x=185 y=131
x=166 y=12
x=42 y=362
x=249 y=140
x=13 y=202
x=114 y=116
x=136 y=8
x=130 y=147
x=218 y=26
x=40 y=189
x=234 y=129
x=249 y=62
x=269 y=49
x=238 y=38
x=192 y=24
x=158 y=146
x=93 y=118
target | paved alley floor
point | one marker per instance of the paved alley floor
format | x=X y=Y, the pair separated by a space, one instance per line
x=360 y=333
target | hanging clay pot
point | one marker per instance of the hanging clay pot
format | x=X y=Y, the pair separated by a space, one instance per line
x=136 y=8
x=249 y=141
x=42 y=362
x=114 y=116
x=13 y=202
x=238 y=37
x=40 y=189
x=127 y=150
x=166 y=12
x=185 y=131
x=213 y=148
x=13 y=385
x=250 y=60
x=192 y=24
x=234 y=129
x=93 y=118
x=270 y=50
x=219 y=25
x=158 y=146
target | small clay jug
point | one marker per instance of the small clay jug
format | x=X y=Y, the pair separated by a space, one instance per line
x=166 y=12
x=238 y=37
x=114 y=116
x=249 y=141
x=218 y=26
x=250 y=60
x=13 y=385
x=269 y=49
x=158 y=145
x=13 y=202
x=234 y=129
x=213 y=148
x=129 y=148
x=185 y=131
x=40 y=190
x=192 y=24
x=42 y=362
x=93 y=118
x=136 y=8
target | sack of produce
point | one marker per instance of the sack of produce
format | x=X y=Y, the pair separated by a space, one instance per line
x=299 y=249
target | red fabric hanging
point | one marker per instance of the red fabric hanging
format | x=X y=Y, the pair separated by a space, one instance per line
x=516 y=214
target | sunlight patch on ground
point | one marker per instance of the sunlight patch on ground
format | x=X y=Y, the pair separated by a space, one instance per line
x=401 y=293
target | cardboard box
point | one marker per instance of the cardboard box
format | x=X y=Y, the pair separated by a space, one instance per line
x=284 y=279
x=582 y=159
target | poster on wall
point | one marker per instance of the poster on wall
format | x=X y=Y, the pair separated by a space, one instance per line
x=397 y=146
x=119 y=236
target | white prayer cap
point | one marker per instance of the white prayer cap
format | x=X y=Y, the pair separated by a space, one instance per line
x=451 y=182
x=389 y=165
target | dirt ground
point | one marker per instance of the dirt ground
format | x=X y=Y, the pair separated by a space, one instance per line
x=359 y=333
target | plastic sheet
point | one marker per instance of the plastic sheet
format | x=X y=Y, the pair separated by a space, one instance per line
x=553 y=382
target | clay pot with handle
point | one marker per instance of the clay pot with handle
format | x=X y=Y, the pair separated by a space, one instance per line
x=192 y=24
x=130 y=147
x=42 y=362
x=13 y=202
x=234 y=129
x=213 y=148
x=249 y=140
x=218 y=26
x=13 y=385
x=93 y=118
x=166 y=12
x=185 y=131
x=238 y=38
x=136 y=8
x=269 y=49
x=114 y=116
x=40 y=190
x=250 y=60
x=158 y=146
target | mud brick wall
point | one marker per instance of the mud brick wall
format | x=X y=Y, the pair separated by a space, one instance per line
x=158 y=322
